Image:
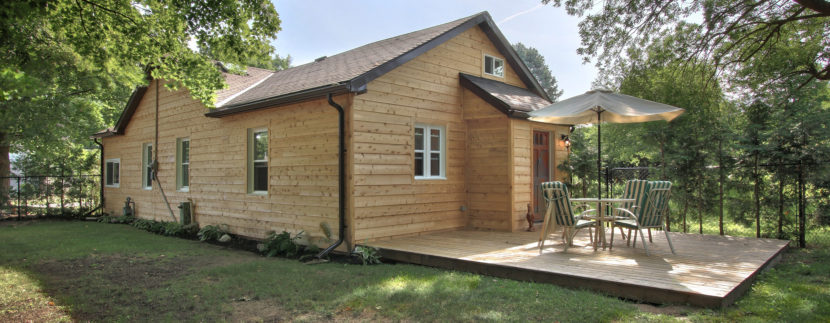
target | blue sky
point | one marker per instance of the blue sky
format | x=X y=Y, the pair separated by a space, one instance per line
x=314 y=28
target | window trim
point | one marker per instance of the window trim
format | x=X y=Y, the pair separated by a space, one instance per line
x=145 y=166
x=495 y=58
x=250 y=160
x=427 y=152
x=117 y=181
x=180 y=164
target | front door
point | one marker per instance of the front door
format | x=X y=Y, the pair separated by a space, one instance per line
x=541 y=170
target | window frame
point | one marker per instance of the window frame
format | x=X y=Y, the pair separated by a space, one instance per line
x=493 y=68
x=147 y=166
x=251 y=162
x=116 y=183
x=427 y=152
x=181 y=164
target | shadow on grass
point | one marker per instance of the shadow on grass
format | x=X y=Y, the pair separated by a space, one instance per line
x=99 y=272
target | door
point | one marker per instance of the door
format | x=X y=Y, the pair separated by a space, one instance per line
x=541 y=170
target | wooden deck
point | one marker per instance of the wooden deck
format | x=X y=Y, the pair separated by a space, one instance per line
x=709 y=271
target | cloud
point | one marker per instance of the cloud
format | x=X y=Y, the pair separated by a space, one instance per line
x=520 y=13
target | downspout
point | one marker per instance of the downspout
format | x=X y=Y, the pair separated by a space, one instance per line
x=342 y=178
x=101 y=175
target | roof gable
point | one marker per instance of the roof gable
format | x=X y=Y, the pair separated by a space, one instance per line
x=346 y=72
x=352 y=70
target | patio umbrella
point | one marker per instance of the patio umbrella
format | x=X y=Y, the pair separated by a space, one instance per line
x=597 y=106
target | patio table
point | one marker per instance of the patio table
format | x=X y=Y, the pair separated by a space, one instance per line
x=602 y=216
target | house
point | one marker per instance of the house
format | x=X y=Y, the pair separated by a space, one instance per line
x=435 y=131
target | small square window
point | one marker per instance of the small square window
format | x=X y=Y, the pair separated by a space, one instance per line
x=493 y=66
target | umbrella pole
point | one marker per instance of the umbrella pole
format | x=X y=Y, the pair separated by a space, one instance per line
x=599 y=153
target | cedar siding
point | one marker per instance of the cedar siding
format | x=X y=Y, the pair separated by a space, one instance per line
x=302 y=165
x=487 y=149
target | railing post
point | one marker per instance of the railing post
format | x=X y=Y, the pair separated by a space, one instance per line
x=63 y=188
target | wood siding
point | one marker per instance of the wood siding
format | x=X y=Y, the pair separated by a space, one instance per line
x=522 y=153
x=388 y=201
x=302 y=169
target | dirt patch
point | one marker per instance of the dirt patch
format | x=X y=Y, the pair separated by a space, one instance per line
x=258 y=311
x=137 y=271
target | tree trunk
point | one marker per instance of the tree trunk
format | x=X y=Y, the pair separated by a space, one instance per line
x=757 y=175
x=780 y=231
x=720 y=185
x=685 y=209
x=701 y=204
x=5 y=169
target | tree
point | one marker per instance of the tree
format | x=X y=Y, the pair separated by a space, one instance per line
x=68 y=66
x=536 y=63
x=727 y=33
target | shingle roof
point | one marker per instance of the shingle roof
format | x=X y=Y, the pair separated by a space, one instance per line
x=512 y=100
x=238 y=83
x=347 y=72
x=342 y=67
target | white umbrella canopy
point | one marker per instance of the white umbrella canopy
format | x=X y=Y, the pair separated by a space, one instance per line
x=597 y=106
x=609 y=106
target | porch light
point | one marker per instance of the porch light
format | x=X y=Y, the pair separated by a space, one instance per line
x=565 y=141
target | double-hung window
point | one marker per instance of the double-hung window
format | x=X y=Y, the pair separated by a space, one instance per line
x=183 y=164
x=147 y=166
x=258 y=161
x=493 y=66
x=430 y=152
x=113 y=172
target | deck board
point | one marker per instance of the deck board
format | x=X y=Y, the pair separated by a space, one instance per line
x=710 y=271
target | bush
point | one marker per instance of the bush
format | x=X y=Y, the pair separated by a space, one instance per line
x=116 y=219
x=281 y=244
x=215 y=233
x=369 y=255
x=173 y=229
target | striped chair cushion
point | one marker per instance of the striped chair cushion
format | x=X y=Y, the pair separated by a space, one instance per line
x=557 y=194
x=657 y=204
x=634 y=189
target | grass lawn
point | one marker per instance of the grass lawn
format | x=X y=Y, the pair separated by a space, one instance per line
x=85 y=271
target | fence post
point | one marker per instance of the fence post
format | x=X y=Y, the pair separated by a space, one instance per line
x=63 y=188
x=18 y=198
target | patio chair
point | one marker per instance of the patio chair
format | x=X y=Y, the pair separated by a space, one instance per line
x=636 y=190
x=560 y=213
x=652 y=215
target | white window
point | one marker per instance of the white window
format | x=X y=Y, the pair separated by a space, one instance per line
x=258 y=161
x=112 y=172
x=430 y=152
x=183 y=164
x=147 y=166
x=493 y=66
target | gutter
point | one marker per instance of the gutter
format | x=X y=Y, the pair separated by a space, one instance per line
x=341 y=197
x=101 y=190
x=290 y=98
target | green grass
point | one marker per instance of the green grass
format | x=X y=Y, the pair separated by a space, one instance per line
x=108 y=272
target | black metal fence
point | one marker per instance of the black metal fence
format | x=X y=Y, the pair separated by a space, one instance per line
x=49 y=196
x=714 y=204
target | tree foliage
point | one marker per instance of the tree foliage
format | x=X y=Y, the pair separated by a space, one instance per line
x=726 y=34
x=536 y=63
x=68 y=66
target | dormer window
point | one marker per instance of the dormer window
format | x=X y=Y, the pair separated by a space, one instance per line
x=493 y=66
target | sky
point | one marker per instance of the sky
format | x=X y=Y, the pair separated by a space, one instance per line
x=315 y=28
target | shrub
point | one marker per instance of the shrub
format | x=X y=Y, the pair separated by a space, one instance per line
x=281 y=244
x=369 y=255
x=215 y=233
x=116 y=219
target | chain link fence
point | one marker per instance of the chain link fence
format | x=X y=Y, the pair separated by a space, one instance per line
x=49 y=196
x=714 y=202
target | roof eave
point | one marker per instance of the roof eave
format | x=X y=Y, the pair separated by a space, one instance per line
x=490 y=99
x=285 y=99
